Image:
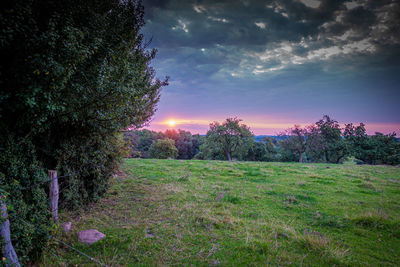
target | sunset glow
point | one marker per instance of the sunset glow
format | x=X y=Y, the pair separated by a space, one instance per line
x=260 y=125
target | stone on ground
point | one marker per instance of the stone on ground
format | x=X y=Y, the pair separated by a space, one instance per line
x=90 y=236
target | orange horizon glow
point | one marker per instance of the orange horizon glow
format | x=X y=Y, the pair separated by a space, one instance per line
x=258 y=125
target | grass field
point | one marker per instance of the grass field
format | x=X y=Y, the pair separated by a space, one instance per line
x=171 y=212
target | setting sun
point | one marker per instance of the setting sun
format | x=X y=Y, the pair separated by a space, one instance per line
x=171 y=122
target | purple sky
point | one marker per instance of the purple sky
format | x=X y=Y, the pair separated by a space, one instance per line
x=276 y=63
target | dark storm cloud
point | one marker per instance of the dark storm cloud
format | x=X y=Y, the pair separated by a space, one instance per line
x=271 y=34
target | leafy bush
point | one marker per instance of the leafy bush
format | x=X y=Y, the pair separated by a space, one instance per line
x=163 y=149
x=74 y=73
x=23 y=180
x=91 y=161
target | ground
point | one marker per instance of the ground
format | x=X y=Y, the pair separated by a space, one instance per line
x=172 y=212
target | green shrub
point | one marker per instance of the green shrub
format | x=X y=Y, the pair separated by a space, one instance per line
x=91 y=161
x=163 y=149
x=22 y=177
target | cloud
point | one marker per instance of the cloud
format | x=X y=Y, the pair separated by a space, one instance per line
x=218 y=19
x=199 y=8
x=272 y=55
x=182 y=26
x=260 y=25
x=311 y=3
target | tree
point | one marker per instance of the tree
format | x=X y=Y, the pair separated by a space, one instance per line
x=325 y=141
x=183 y=142
x=197 y=141
x=295 y=141
x=357 y=140
x=375 y=149
x=383 y=149
x=163 y=149
x=230 y=137
x=139 y=141
x=263 y=150
x=73 y=74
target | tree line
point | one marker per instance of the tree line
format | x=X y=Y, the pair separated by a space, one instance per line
x=324 y=141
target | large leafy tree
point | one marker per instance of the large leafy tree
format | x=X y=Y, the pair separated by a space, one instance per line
x=73 y=74
x=229 y=137
x=75 y=64
x=325 y=141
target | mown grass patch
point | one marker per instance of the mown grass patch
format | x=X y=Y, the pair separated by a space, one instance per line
x=206 y=213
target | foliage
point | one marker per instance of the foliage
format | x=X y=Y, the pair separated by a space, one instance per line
x=357 y=139
x=208 y=151
x=91 y=160
x=325 y=141
x=163 y=149
x=139 y=142
x=85 y=76
x=230 y=138
x=24 y=181
x=315 y=143
x=375 y=149
x=73 y=74
x=197 y=141
x=184 y=142
x=295 y=141
x=385 y=149
x=264 y=150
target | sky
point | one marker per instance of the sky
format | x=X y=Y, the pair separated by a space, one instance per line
x=274 y=64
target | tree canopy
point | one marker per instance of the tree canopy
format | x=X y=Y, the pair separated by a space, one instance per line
x=73 y=74
x=230 y=137
x=295 y=141
x=311 y=143
x=163 y=149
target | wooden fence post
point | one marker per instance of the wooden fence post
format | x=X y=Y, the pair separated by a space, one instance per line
x=9 y=252
x=53 y=194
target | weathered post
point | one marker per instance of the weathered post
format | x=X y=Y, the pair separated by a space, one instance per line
x=9 y=252
x=53 y=194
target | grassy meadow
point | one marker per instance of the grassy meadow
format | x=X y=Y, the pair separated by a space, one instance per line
x=206 y=213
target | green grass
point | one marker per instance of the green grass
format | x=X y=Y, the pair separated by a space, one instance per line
x=171 y=212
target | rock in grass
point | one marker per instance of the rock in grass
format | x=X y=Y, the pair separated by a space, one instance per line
x=90 y=236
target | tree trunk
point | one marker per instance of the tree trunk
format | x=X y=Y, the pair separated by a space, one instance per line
x=228 y=155
x=327 y=157
x=339 y=158
x=301 y=157
x=5 y=236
